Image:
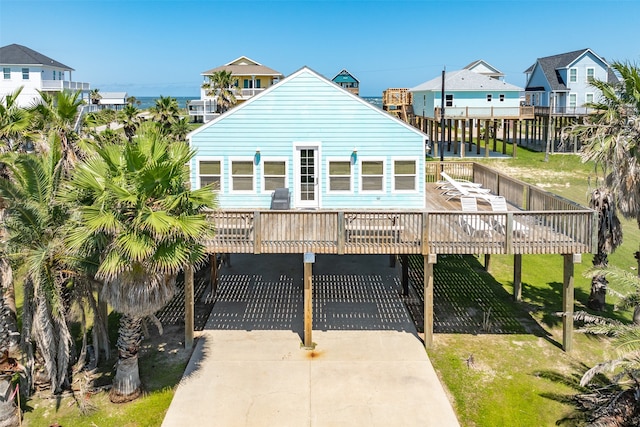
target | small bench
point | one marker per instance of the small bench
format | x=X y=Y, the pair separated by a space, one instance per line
x=373 y=229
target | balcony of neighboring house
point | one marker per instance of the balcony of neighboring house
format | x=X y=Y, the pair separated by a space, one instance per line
x=60 y=85
x=511 y=113
x=242 y=94
x=202 y=110
x=563 y=111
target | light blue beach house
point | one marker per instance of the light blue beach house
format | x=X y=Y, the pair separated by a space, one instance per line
x=562 y=81
x=329 y=148
x=468 y=94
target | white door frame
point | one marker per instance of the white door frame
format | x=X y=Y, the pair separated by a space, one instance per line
x=297 y=178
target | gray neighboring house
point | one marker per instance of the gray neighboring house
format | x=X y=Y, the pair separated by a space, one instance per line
x=563 y=81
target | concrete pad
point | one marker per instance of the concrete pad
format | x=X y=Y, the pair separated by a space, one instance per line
x=355 y=376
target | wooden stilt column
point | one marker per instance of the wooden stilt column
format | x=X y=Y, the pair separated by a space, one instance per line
x=309 y=259
x=478 y=137
x=455 y=136
x=487 y=261
x=462 y=139
x=486 y=138
x=405 y=274
x=567 y=300
x=517 y=277
x=429 y=260
x=213 y=277
x=189 y=307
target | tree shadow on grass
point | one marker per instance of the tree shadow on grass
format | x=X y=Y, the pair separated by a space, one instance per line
x=469 y=300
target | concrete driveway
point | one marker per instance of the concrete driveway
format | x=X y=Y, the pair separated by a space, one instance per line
x=368 y=368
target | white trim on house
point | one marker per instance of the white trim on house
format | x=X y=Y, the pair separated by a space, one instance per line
x=362 y=176
x=341 y=159
x=210 y=159
x=264 y=160
x=587 y=95
x=393 y=174
x=570 y=77
x=249 y=159
x=312 y=145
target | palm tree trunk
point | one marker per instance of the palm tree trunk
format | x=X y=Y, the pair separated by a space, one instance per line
x=599 y=284
x=126 y=383
x=9 y=411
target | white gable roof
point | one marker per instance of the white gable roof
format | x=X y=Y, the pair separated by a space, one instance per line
x=465 y=80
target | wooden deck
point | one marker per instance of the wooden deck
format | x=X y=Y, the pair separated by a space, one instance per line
x=537 y=222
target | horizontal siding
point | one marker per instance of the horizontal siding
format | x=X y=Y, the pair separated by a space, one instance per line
x=309 y=109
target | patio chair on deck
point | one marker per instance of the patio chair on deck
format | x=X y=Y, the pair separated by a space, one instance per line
x=499 y=204
x=461 y=190
x=473 y=224
x=280 y=199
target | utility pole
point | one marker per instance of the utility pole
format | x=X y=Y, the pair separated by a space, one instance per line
x=441 y=143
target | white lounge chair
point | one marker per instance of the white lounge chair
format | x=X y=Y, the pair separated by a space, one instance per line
x=473 y=224
x=460 y=190
x=499 y=204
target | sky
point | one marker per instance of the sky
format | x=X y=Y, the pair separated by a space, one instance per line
x=161 y=47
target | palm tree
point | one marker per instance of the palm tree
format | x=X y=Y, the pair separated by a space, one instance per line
x=128 y=116
x=34 y=223
x=55 y=118
x=180 y=129
x=613 y=402
x=166 y=112
x=609 y=238
x=142 y=224
x=132 y=100
x=610 y=138
x=95 y=96
x=220 y=86
x=14 y=122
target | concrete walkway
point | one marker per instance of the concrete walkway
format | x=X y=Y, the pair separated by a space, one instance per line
x=369 y=368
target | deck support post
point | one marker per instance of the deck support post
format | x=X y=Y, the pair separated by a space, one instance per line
x=429 y=260
x=189 y=308
x=487 y=261
x=213 y=277
x=567 y=300
x=517 y=277
x=308 y=305
x=486 y=138
x=405 y=274
x=463 y=137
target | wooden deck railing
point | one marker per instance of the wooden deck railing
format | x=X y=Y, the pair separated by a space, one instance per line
x=402 y=232
x=543 y=223
x=517 y=112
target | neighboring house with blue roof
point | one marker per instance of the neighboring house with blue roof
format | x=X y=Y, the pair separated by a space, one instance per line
x=468 y=94
x=563 y=81
x=330 y=148
x=22 y=66
x=347 y=81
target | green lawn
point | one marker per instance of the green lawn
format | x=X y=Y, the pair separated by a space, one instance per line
x=510 y=379
x=515 y=347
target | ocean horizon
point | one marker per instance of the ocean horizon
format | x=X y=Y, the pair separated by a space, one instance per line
x=147 y=102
